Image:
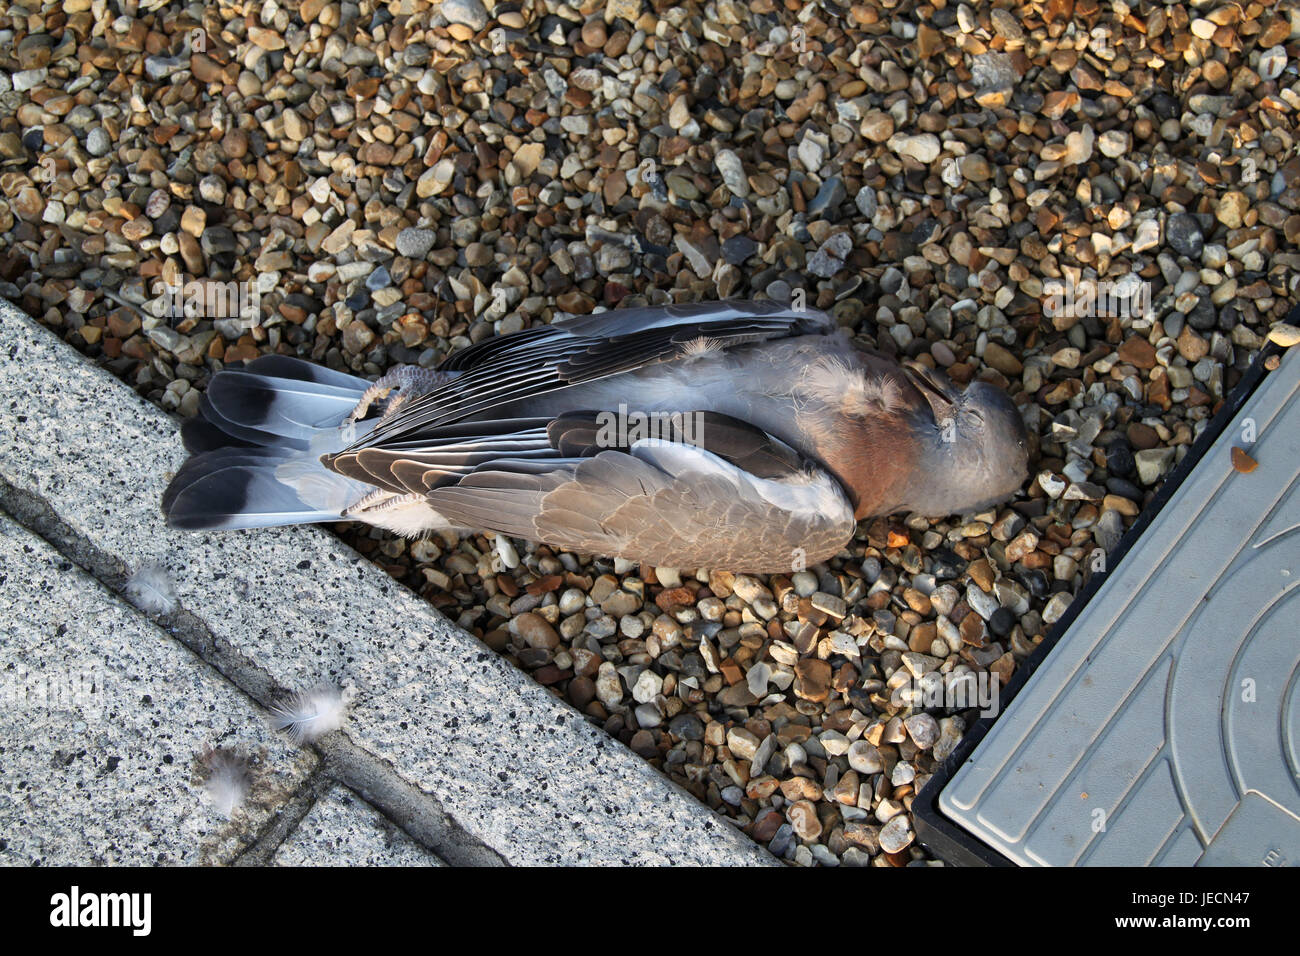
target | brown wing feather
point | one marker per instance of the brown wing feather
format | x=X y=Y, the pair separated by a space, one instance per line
x=615 y=504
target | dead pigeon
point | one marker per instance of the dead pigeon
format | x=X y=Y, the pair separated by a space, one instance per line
x=745 y=436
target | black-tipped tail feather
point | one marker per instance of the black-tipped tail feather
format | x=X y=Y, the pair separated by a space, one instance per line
x=231 y=496
x=255 y=448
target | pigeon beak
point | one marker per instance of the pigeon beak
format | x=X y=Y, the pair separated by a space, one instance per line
x=934 y=388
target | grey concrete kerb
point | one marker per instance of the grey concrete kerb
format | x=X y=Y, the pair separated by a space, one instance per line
x=472 y=759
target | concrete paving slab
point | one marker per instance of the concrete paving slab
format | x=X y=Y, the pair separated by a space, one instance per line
x=84 y=460
x=102 y=724
x=342 y=829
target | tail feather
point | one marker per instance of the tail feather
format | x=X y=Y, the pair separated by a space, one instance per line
x=199 y=435
x=255 y=436
x=282 y=366
x=283 y=407
x=256 y=447
x=241 y=496
x=208 y=462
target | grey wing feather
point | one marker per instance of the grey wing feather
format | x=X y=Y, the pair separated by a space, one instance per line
x=544 y=359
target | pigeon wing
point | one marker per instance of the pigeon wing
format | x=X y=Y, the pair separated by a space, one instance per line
x=547 y=358
x=661 y=502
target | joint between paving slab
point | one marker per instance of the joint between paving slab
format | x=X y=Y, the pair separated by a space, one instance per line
x=280 y=827
x=416 y=813
x=399 y=801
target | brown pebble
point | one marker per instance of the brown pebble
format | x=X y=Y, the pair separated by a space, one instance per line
x=1242 y=462
x=972 y=630
x=998 y=357
x=671 y=598
x=593 y=33
x=1142 y=437
x=546 y=585
x=812 y=679
x=803 y=818
x=1138 y=351
x=582 y=691
x=205 y=69
x=535 y=631
x=1191 y=346
x=917 y=601
x=1284 y=334
x=801 y=788
x=550 y=674
x=981 y=572
x=193 y=219
x=766 y=825
x=922 y=637
x=643 y=743
x=136 y=229
x=191 y=253
x=235 y=144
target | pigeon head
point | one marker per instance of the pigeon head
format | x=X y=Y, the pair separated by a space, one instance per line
x=974 y=446
x=996 y=425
